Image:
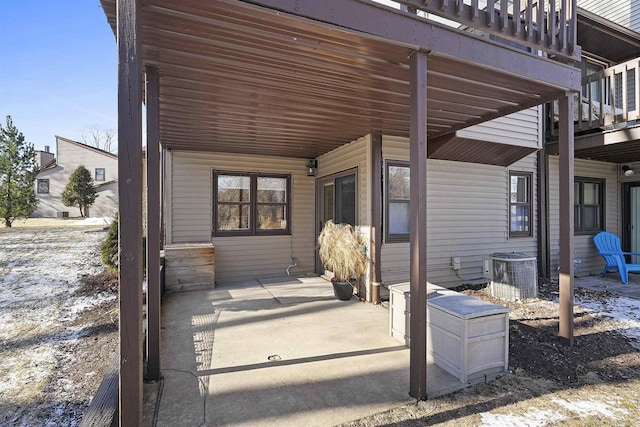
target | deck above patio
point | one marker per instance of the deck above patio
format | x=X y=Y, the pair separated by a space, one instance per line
x=299 y=79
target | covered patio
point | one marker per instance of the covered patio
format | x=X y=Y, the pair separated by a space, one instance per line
x=279 y=352
x=300 y=79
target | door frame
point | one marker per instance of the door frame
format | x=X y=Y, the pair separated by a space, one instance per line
x=320 y=181
x=626 y=214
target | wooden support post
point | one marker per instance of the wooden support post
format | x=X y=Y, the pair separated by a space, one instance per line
x=130 y=206
x=376 y=215
x=418 y=224
x=153 y=225
x=565 y=145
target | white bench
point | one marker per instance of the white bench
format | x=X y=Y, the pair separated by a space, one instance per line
x=466 y=336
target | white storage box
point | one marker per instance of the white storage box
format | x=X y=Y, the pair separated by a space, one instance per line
x=467 y=337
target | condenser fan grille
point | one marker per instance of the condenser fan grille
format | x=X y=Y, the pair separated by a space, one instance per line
x=514 y=276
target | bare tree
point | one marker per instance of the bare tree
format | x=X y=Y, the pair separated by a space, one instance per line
x=104 y=139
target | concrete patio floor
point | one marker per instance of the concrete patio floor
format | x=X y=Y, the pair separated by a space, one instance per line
x=278 y=352
x=611 y=283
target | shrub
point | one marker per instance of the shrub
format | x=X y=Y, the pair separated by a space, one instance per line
x=110 y=247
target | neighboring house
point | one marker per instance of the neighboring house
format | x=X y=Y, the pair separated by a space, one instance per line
x=607 y=139
x=55 y=172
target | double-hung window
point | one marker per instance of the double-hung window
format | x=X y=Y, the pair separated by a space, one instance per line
x=100 y=174
x=520 y=202
x=588 y=216
x=251 y=204
x=397 y=202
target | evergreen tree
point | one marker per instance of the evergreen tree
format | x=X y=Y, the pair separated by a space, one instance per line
x=18 y=172
x=79 y=190
x=110 y=248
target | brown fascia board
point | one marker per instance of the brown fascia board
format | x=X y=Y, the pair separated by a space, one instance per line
x=80 y=144
x=53 y=163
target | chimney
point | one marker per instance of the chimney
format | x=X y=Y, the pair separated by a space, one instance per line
x=46 y=148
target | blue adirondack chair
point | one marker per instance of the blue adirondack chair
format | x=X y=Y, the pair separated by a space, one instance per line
x=608 y=245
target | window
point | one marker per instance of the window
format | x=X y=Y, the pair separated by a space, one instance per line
x=588 y=214
x=251 y=204
x=397 y=202
x=43 y=186
x=99 y=174
x=520 y=201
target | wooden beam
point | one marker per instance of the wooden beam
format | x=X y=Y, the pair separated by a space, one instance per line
x=543 y=212
x=413 y=31
x=153 y=224
x=376 y=215
x=418 y=225
x=565 y=134
x=130 y=206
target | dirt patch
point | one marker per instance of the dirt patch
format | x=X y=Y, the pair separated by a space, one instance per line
x=58 y=324
x=595 y=382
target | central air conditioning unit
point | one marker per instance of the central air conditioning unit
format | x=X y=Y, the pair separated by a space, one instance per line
x=513 y=275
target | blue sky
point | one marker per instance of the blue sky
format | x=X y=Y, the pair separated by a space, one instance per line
x=58 y=69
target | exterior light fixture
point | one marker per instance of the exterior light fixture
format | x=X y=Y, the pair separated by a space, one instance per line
x=627 y=170
x=312 y=165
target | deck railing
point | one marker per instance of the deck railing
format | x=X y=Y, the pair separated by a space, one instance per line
x=609 y=99
x=548 y=25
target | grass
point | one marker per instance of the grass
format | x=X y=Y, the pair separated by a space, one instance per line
x=40 y=222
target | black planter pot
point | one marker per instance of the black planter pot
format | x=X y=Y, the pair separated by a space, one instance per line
x=342 y=290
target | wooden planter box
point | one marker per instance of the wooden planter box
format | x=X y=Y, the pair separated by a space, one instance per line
x=188 y=266
x=467 y=337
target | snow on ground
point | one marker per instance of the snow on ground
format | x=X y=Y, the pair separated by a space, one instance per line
x=566 y=409
x=105 y=220
x=533 y=418
x=624 y=313
x=40 y=272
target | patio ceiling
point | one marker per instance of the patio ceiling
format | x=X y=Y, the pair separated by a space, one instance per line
x=236 y=77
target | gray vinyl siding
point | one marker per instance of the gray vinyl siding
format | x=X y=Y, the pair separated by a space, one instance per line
x=622 y=12
x=349 y=156
x=241 y=258
x=467 y=217
x=588 y=260
x=69 y=157
x=519 y=128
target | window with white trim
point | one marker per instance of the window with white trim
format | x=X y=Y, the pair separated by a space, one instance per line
x=397 y=201
x=520 y=204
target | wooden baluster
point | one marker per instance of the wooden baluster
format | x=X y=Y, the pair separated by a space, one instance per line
x=625 y=108
x=474 y=10
x=611 y=81
x=637 y=89
x=590 y=99
x=504 y=15
x=551 y=22
x=491 y=10
x=603 y=94
x=529 y=19
x=562 y=26
x=573 y=27
x=517 y=28
x=541 y=21
x=459 y=7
